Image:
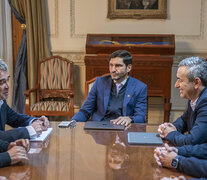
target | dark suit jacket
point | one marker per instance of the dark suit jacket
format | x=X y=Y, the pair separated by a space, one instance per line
x=194 y=122
x=193 y=160
x=3 y=146
x=193 y=166
x=5 y=159
x=14 y=134
x=14 y=119
x=198 y=151
x=135 y=100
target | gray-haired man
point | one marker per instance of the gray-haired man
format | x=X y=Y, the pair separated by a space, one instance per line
x=191 y=81
x=30 y=126
x=190 y=158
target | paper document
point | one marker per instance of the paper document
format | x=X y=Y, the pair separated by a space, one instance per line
x=34 y=150
x=42 y=137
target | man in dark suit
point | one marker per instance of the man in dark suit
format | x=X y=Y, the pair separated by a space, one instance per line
x=14 y=134
x=117 y=97
x=30 y=126
x=189 y=159
x=191 y=81
x=12 y=153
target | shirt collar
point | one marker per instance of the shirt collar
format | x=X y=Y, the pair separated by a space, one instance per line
x=1 y=103
x=193 y=104
x=123 y=82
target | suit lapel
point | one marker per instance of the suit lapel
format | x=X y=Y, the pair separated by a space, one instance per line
x=128 y=94
x=2 y=111
x=107 y=91
x=203 y=93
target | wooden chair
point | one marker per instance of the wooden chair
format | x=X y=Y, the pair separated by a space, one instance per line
x=89 y=84
x=54 y=90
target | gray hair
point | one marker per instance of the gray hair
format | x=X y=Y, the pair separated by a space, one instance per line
x=197 y=68
x=3 y=66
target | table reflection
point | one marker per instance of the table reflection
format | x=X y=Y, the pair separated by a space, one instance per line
x=117 y=155
x=72 y=153
x=18 y=172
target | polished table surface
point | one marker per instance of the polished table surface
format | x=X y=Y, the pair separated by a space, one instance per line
x=77 y=154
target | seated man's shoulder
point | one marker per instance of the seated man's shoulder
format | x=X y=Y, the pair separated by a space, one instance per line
x=103 y=78
x=138 y=82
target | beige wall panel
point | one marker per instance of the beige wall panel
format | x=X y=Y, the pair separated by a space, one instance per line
x=91 y=17
x=64 y=42
x=53 y=17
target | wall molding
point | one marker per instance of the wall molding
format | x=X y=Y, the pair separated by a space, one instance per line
x=202 y=19
x=200 y=36
x=55 y=35
x=179 y=57
x=76 y=56
x=72 y=20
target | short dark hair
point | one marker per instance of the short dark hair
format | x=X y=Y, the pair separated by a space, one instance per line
x=124 y=54
x=197 y=67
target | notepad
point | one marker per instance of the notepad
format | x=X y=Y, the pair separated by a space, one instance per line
x=42 y=137
x=34 y=150
x=143 y=138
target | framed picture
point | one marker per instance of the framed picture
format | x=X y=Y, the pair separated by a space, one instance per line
x=137 y=9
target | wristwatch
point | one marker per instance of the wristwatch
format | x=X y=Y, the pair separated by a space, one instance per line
x=175 y=162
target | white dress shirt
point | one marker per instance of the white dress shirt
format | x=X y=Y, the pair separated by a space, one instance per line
x=30 y=129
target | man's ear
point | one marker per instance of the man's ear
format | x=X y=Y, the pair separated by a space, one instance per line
x=197 y=82
x=129 y=68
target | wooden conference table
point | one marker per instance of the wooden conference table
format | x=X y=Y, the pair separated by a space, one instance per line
x=75 y=154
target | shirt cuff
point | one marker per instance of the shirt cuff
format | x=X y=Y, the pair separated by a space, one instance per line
x=5 y=159
x=31 y=121
x=31 y=130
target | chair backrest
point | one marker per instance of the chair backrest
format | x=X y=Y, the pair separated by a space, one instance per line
x=89 y=84
x=55 y=73
x=55 y=77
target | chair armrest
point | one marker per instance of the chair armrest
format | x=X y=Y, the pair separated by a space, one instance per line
x=27 y=92
x=57 y=93
x=27 y=101
x=71 y=94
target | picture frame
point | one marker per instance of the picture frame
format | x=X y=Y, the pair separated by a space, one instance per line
x=137 y=9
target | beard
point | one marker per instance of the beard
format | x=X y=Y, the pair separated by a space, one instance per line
x=118 y=76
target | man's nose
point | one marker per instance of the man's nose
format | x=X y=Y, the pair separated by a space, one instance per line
x=113 y=68
x=177 y=84
x=7 y=84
